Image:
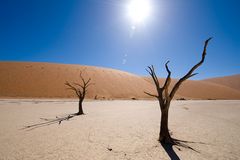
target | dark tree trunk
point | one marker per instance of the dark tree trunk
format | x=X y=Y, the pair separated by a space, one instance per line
x=80 y=109
x=165 y=96
x=80 y=90
x=164 y=135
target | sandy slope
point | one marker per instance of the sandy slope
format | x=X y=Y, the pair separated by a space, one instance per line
x=192 y=89
x=47 y=80
x=205 y=90
x=230 y=81
x=129 y=128
x=24 y=79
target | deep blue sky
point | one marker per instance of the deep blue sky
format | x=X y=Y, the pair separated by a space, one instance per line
x=98 y=32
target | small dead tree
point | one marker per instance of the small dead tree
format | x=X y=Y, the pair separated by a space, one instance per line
x=164 y=96
x=80 y=90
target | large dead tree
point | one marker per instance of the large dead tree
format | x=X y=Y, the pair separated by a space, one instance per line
x=165 y=96
x=80 y=90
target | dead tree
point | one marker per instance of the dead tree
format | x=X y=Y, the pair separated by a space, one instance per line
x=165 y=96
x=80 y=90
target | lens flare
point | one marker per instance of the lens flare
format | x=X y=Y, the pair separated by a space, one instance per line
x=139 y=10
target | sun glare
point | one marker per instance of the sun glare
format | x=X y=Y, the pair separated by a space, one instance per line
x=139 y=10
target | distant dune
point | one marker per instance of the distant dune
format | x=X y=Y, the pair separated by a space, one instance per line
x=229 y=81
x=46 y=80
x=192 y=89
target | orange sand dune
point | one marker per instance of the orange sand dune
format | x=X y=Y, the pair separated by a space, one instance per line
x=205 y=90
x=230 y=81
x=192 y=89
x=46 y=80
x=19 y=79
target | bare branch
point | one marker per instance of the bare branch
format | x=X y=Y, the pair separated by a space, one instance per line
x=148 y=71
x=151 y=94
x=89 y=84
x=168 y=79
x=88 y=81
x=154 y=77
x=69 y=85
x=77 y=84
x=192 y=75
x=167 y=82
x=166 y=66
x=189 y=74
x=83 y=80
x=77 y=91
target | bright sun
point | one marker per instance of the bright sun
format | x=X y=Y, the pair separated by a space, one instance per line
x=139 y=10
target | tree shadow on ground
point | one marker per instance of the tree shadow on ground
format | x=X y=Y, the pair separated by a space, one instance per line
x=178 y=143
x=49 y=121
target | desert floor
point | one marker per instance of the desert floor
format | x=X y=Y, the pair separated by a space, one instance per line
x=114 y=130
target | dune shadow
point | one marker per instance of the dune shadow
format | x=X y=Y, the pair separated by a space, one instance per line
x=50 y=121
x=178 y=143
